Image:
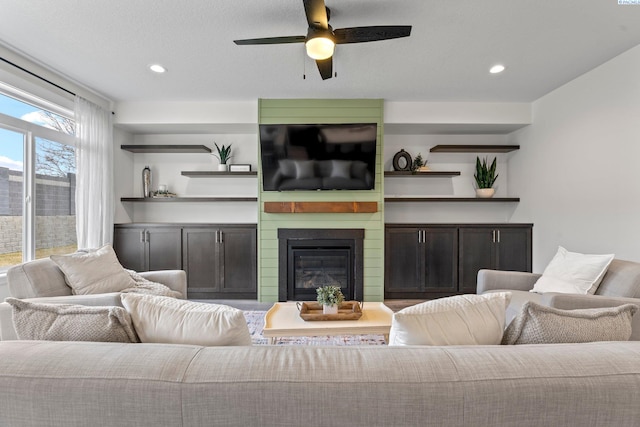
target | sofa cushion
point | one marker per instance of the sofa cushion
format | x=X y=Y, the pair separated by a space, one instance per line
x=162 y=319
x=305 y=169
x=573 y=273
x=538 y=324
x=71 y=322
x=34 y=279
x=457 y=320
x=94 y=272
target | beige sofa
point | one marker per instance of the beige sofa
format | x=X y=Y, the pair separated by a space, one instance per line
x=83 y=384
x=620 y=285
x=42 y=281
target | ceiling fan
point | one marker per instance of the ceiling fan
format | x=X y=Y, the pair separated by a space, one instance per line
x=321 y=38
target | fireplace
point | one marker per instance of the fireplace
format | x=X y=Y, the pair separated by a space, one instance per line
x=310 y=258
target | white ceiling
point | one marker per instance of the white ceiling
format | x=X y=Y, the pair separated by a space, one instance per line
x=107 y=45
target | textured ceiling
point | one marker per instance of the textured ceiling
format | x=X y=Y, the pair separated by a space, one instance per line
x=107 y=46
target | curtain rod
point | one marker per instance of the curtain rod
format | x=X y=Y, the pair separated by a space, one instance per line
x=37 y=76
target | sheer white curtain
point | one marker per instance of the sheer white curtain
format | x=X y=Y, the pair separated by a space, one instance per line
x=94 y=183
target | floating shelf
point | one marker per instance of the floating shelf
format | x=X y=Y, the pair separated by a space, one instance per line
x=474 y=148
x=210 y=174
x=166 y=148
x=321 y=207
x=187 y=199
x=452 y=199
x=426 y=174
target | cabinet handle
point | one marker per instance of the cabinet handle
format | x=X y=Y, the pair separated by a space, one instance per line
x=221 y=237
x=493 y=236
x=498 y=236
x=419 y=236
x=424 y=236
x=142 y=236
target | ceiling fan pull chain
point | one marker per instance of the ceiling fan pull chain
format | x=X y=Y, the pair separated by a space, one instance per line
x=304 y=65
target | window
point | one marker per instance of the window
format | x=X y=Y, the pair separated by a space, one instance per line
x=37 y=178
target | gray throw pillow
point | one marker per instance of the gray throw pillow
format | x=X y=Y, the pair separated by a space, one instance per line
x=341 y=169
x=70 y=322
x=538 y=324
x=305 y=169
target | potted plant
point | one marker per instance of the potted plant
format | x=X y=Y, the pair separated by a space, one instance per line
x=330 y=298
x=419 y=164
x=224 y=154
x=485 y=177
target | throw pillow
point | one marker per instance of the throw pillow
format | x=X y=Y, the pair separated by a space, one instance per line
x=538 y=324
x=341 y=169
x=93 y=272
x=305 y=169
x=161 y=319
x=573 y=273
x=69 y=322
x=458 y=320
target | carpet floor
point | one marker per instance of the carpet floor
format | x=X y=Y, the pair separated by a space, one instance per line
x=255 y=322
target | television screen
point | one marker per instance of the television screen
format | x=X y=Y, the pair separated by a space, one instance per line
x=318 y=156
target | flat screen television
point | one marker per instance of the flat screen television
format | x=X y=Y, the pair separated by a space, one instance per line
x=318 y=156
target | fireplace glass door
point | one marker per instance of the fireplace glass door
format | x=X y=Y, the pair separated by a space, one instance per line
x=312 y=268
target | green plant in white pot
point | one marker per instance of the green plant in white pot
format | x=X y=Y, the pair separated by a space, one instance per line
x=485 y=177
x=330 y=298
x=224 y=154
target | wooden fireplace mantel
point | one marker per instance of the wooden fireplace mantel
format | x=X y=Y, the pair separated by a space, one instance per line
x=321 y=207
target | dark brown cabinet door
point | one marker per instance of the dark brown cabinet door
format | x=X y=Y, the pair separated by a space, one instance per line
x=477 y=251
x=441 y=259
x=404 y=262
x=164 y=249
x=200 y=261
x=514 y=249
x=238 y=258
x=129 y=245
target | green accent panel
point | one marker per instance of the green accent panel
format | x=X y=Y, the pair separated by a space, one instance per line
x=272 y=111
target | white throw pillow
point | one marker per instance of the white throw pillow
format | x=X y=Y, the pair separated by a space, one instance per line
x=458 y=320
x=94 y=272
x=159 y=319
x=573 y=273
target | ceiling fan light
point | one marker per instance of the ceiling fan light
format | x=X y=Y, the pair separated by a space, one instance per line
x=320 y=47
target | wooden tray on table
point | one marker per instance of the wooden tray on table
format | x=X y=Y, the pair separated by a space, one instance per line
x=348 y=310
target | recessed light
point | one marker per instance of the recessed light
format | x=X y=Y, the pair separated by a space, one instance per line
x=498 y=68
x=157 y=68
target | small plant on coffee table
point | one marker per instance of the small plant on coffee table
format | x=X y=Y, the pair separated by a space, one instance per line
x=329 y=295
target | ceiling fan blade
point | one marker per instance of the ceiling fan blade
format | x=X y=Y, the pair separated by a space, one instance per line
x=272 y=40
x=325 y=66
x=371 y=34
x=316 y=13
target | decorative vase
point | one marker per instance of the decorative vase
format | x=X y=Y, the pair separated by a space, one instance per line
x=485 y=193
x=223 y=167
x=330 y=309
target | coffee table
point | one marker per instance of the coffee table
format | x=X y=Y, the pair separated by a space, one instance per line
x=283 y=320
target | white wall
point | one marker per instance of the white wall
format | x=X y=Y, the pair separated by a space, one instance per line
x=577 y=171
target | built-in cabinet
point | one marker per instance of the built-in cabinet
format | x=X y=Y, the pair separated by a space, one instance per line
x=420 y=259
x=498 y=247
x=220 y=260
x=433 y=260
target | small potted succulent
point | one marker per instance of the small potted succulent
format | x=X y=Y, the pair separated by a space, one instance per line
x=485 y=177
x=329 y=297
x=224 y=154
